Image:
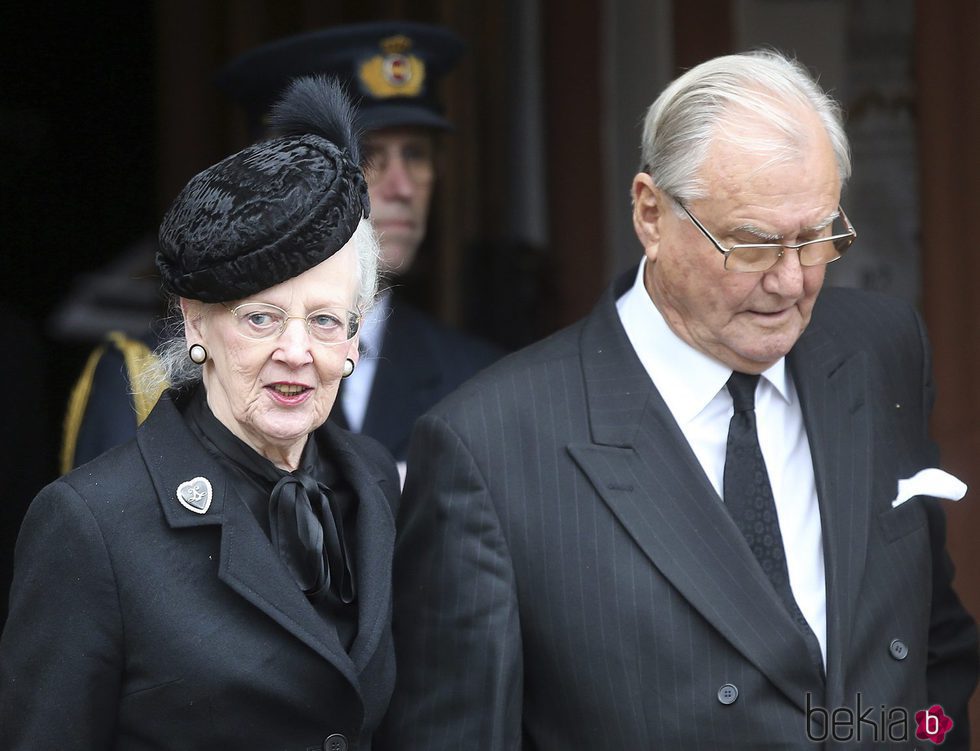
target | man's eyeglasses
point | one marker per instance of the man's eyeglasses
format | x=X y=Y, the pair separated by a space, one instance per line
x=257 y=320
x=416 y=157
x=749 y=257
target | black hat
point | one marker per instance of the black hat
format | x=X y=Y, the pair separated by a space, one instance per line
x=392 y=70
x=274 y=209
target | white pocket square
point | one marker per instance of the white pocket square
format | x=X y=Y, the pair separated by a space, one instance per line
x=932 y=482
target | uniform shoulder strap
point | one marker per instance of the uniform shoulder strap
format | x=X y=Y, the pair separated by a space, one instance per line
x=136 y=356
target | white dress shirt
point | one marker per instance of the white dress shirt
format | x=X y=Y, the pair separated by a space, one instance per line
x=693 y=386
x=357 y=387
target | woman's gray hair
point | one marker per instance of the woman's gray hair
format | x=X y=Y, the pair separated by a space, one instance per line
x=365 y=239
x=698 y=107
x=171 y=366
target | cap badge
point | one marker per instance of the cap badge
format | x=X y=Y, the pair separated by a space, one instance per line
x=195 y=495
x=395 y=72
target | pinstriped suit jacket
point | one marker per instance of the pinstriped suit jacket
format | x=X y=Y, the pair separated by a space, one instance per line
x=566 y=577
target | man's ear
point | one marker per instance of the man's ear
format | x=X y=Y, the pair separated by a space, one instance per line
x=648 y=211
x=193 y=312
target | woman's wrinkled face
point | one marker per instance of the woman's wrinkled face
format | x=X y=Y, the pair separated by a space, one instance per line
x=272 y=393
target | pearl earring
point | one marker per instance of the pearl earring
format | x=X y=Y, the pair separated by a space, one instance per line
x=198 y=354
x=348 y=367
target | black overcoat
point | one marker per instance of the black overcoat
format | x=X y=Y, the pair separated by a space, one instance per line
x=138 y=624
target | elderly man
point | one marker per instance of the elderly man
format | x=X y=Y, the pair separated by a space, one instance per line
x=670 y=526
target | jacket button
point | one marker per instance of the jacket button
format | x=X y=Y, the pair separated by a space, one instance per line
x=898 y=649
x=728 y=693
x=335 y=742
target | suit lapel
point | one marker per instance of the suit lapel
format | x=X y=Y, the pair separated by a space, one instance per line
x=833 y=391
x=644 y=470
x=248 y=564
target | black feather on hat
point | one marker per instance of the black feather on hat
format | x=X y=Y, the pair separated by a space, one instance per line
x=273 y=210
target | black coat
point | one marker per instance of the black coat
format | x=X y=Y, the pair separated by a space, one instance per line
x=137 y=624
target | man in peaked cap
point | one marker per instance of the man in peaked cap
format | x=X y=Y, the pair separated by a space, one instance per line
x=393 y=70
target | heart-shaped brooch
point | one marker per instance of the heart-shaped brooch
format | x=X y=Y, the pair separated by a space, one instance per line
x=195 y=495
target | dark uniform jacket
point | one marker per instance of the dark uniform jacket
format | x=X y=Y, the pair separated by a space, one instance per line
x=566 y=576
x=421 y=361
x=138 y=624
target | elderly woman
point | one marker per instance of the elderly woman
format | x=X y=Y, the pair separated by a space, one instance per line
x=223 y=580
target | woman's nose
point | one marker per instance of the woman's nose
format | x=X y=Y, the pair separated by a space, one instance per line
x=295 y=343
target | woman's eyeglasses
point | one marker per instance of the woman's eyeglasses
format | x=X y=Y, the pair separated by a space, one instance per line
x=256 y=320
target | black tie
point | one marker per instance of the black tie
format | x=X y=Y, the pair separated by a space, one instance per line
x=748 y=497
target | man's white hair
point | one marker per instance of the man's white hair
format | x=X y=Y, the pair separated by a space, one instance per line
x=754 y=99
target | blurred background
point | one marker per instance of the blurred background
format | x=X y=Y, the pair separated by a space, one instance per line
x=108 y=108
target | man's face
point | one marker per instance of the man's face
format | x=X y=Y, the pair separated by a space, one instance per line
x=745 y=320
x=400 y=175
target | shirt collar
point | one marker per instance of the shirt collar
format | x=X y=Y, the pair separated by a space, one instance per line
x=372 y=328
x=686 y=378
